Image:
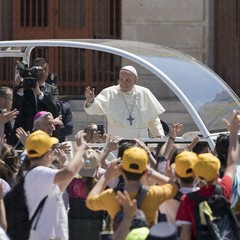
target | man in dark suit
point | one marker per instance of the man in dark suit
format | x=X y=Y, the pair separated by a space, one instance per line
x=64 y=123
x=29 y=101
x=6 y=114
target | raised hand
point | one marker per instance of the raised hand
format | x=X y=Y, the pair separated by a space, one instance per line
x=113 y=143
x=130 y=211
x=65 y=147
x=58 y=121
x=61 y=156
x=234 y=125
x=176 y=127
x=194 y=142
x=129 y=206
x=90 y=94
x=80 y=138
x=114 y=169
x=22 y=135
x=7 y=116
x=37 y=89
x=142 y=145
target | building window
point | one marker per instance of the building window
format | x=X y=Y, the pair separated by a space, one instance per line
x=72 y=13
x=73 y=70
x=64 y=19
x=107 y=19
x=34 y=13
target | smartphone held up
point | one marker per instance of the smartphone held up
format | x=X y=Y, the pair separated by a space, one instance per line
x=100 y=128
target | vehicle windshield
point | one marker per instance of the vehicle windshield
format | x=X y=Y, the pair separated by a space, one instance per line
x=191 y=81
x=205 y=95
x=208 y=94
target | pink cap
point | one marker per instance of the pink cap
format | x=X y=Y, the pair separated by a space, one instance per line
x=40 y=115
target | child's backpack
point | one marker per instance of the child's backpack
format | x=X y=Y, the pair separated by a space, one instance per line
x=140 y=218
x=213 y=217
x=17 y=214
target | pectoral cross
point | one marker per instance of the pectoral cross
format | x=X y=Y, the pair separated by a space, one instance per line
x=130 y=119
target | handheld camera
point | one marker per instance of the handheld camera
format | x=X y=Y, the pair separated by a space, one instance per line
x=28 y=75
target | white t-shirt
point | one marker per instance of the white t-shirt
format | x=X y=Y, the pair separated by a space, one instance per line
x=170 y=207
x=53 y=221
x=235 y=200
x=3 y=235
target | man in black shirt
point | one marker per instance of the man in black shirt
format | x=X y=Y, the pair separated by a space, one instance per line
x=29 y=101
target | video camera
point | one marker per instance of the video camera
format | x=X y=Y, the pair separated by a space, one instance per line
x=28 y=75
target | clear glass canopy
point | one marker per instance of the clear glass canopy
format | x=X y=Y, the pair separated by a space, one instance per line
x=205 y=95
x=202 y=91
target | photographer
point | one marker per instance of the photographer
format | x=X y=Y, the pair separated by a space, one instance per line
x=33 y=94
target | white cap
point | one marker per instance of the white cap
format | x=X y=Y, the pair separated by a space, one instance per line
x=130 y=69
x=91 y=163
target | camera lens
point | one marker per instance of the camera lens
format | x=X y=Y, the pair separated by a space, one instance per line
x=29 y=82
x=36 y=70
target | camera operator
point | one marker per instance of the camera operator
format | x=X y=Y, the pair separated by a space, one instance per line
x=33 y=94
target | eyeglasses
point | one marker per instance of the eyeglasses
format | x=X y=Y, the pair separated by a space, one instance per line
x=127 y=81
x=91 y=130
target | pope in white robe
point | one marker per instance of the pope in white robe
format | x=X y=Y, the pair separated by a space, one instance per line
x=131 y=110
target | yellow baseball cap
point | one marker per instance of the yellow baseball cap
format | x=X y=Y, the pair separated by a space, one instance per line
x=207 y=167
x=184 y=163
x=39 y=143
x=135 y=160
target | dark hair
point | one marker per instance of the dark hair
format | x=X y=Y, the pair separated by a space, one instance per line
x=187 y=180
x=39 y=61
x=90 y=182
x=122 y=147
x=10 y=156
x=26 y=164
x=3 y=91
x=6 y=173
x=199 y=147
x=174 y=154
x=221 y=148
x=132 y=176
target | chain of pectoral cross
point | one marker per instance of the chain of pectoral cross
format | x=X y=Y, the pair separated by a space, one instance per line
x=130 y=118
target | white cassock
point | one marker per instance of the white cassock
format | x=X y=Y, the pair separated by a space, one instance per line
x=129 y=115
